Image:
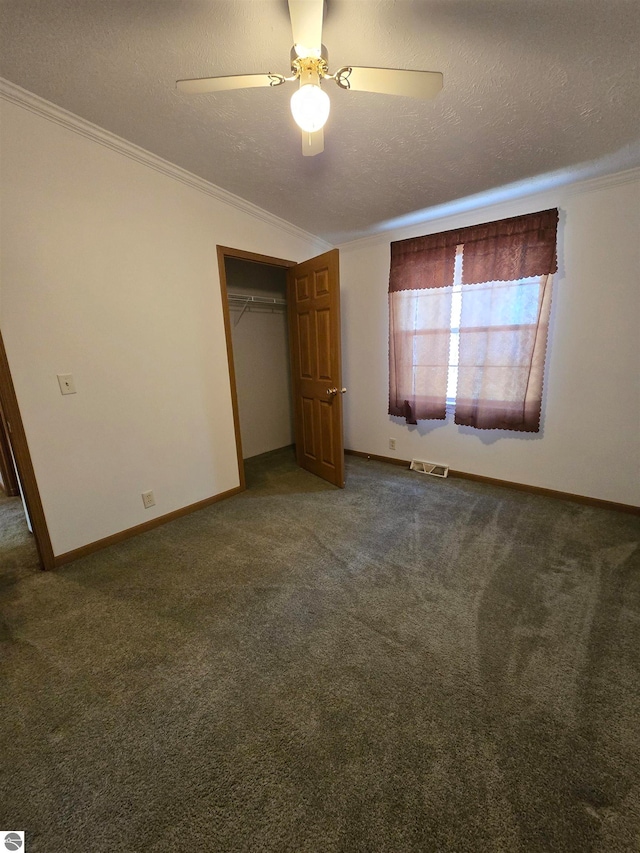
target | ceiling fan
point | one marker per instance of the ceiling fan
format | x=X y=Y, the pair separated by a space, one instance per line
x=309 y=65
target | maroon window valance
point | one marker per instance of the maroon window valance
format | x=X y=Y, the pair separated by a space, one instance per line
x=422 y=262
x=505 y=250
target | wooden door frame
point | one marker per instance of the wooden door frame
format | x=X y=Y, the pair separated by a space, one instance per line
x=7 y=467
x=225 y=252
x=22 y=457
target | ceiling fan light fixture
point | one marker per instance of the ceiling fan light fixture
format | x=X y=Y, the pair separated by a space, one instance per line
x=310 y=107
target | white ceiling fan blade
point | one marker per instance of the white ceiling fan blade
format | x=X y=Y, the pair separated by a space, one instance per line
x=391 y=81
x=202 y=85
x=306 y=26
x=312 y=143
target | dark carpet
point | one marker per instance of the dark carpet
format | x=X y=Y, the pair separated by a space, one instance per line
x=18 y=554
x=409 y=664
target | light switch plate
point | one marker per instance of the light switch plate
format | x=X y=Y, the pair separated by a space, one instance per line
x=67 y=383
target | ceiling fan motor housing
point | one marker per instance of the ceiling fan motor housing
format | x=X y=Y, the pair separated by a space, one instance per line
x=310 y=69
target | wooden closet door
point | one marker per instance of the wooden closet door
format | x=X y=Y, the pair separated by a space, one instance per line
x=316 y=369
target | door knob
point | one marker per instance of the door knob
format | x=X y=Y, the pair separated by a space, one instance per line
x=331 y=392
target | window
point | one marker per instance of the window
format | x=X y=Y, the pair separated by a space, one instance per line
x=454 y=340
x=469 y=313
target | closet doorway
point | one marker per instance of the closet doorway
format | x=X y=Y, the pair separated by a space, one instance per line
x=255 y=291
x=285 y=387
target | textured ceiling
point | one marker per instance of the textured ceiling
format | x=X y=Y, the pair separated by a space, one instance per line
x=529 y=88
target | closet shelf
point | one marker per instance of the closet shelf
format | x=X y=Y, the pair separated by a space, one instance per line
x=237 y=300
x=258 y=300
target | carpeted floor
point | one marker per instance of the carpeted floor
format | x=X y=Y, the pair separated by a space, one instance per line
x=18 y=554
x=410 y=664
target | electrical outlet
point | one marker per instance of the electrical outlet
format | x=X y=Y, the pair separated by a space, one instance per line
x=148 y=499
x=392 y=444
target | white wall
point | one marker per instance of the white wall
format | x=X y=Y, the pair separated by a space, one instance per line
x=590 y=439
x=109 y=272
x=261 y=359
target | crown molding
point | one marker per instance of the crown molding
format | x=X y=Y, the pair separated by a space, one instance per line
x=436 y=219
x=34 y=103
x=603 y=182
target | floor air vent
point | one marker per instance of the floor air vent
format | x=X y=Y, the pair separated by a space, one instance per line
x=432 y=468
